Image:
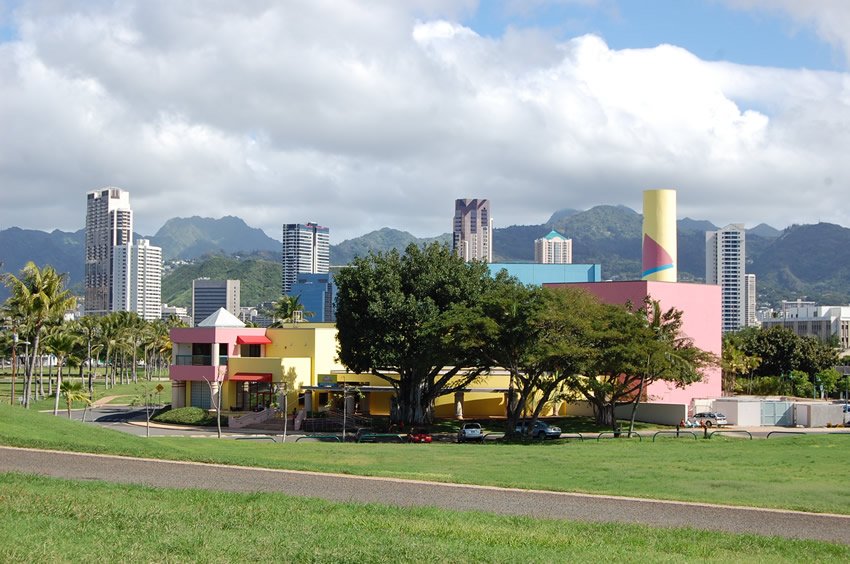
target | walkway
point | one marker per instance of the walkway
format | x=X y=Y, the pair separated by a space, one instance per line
x=406 y=493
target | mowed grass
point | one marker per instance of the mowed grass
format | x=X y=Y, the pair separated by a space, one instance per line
x=807 y=473
x=47 y=520
x=125 y=393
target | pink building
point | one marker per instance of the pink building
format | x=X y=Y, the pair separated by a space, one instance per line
x=701 y=322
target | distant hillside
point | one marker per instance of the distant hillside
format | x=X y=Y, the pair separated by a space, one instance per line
x=63 y=250
x=382 y=240
x=260 y=279
x=802 y=261
x=806 y=261
x=191 y=237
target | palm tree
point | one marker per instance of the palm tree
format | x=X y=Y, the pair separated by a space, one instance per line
x=89 y=327
x=62 y=344
x=284 y=310
x=39 y=296
x=73 y=391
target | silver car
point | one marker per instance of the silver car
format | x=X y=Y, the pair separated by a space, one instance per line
x=710 y=418
x=470 y=432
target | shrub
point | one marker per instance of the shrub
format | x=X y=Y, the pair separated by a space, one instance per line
x=188 y=416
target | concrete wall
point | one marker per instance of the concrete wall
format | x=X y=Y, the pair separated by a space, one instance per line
x=820 y=414
x=661 y=413
x=740 y=413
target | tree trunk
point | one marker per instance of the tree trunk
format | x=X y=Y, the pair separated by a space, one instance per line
x=635 y=404
x=58 y=387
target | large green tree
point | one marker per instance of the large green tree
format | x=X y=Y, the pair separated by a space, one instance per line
x=781 y=351
x=540 y=336
x=395 y=317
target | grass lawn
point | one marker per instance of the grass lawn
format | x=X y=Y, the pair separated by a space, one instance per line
x=46 y=520
x=126 y=391
x=799 y=472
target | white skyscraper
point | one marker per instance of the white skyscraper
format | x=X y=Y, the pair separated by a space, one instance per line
x=109 y=223
x=306 y=250
x=137 y=279
x=724 y=265
x=750 y=300
x=554 y=248
x=473 y=230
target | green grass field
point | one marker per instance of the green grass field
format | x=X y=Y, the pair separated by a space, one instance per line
x=806 y=473
x=126 y=392
x=49 y=520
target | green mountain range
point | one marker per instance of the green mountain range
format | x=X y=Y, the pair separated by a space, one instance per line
x=802 y=261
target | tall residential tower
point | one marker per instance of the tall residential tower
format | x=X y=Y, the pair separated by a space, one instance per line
x=137 y=279
x=724 y=266
x=473 y=230
x=306 y=250
x=554 y=248
x=109 y=223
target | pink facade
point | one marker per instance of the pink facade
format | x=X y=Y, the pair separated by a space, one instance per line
x=701 y=322
x=181 y=337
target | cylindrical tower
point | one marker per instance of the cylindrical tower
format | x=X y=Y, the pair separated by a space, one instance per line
x=659 y=236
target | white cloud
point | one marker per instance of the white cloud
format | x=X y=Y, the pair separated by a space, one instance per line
x=364 y=115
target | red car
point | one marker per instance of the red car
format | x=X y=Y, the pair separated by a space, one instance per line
x=418 y=436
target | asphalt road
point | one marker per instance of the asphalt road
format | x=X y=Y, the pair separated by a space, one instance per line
x=407 y=493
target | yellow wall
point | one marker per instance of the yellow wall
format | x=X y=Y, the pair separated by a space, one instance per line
x=316 y=341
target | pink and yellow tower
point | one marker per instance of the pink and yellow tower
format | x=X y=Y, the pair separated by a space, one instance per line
x=659 y=236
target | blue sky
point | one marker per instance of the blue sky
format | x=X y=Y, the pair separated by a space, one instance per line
x=706 y=28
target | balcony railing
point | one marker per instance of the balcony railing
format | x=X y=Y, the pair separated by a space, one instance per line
x=199 y=360
x=194 y=360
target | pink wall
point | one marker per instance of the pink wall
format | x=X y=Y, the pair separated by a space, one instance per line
x=196 y=373
x=700 y=304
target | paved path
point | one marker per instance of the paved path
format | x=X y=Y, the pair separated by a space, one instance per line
x=406 y=493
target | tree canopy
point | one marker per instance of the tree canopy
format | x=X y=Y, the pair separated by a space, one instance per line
x=396 y=314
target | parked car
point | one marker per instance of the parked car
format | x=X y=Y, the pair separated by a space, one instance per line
x=418 y=436
x=541 y=430
x=710 y=418
x=470 y=432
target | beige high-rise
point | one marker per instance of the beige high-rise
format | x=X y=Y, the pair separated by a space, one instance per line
x=473 y=230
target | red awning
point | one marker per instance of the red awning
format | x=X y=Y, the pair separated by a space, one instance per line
x=253 y=340
x=251 y=377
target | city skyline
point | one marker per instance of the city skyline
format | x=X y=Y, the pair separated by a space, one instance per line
x=541 y=106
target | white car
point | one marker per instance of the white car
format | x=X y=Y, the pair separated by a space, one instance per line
x=470 y=432
x=710 y=418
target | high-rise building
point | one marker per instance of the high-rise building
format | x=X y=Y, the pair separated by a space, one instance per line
x=317 y=293
x=473 y=230
x=210 y=295
x=306 y=250
x=137 y=279
x=109 y=224
x=554 y=248
x=750 y=300
x=724 y=266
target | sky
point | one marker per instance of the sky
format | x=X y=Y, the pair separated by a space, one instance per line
x=362 y=115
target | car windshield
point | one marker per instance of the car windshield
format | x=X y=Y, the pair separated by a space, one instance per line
x=472 y=426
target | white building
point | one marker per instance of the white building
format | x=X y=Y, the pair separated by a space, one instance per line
x=472 y=233
x=109 y=224
x=807 y=319
x=554 y=248
x=137 y=279
x=724 y=265
x=750 y=298
x=178 y=312
x=306 y=250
